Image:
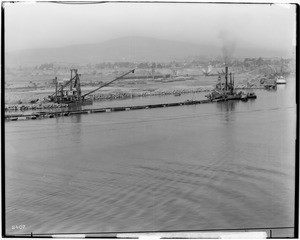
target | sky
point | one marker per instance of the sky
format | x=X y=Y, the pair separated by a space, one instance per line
x=45 y=25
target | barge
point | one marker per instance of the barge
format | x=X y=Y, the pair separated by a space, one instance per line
x=225 y=91
x=73 y=97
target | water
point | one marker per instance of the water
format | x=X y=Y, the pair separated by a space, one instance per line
x=217 y=165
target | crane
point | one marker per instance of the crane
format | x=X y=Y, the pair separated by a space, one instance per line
x=131 y=71
x=74 y=96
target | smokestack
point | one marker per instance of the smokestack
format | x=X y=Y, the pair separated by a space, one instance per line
x=71 y=80
x=152 y=68
x=226 y=78
x=56 y=89
x=231 y=88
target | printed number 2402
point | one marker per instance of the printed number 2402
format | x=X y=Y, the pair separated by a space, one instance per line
x=18 y=227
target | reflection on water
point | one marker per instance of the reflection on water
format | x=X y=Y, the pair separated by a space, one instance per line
x=228 y=106
x=216 y=165
x=76 y=118
x=281 y=87
x=228 y=109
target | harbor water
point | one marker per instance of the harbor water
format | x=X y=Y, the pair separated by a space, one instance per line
x=208 y=166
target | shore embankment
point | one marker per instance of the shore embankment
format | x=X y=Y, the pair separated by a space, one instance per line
x=34 y=98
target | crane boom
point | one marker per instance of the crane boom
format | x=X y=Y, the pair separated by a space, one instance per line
x=131 y=71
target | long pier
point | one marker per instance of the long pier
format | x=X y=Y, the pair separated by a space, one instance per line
x=61 y=113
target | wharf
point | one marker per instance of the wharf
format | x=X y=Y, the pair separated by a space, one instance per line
x=61 y=113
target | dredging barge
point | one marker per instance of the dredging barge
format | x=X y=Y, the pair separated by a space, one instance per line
x=73 y=97
x=224 y=91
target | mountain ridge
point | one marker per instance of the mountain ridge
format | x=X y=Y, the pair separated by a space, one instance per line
x=131 y=49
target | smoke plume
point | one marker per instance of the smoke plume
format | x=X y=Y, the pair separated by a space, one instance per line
x=228 y=46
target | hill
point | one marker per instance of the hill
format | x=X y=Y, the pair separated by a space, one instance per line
x=133 y=49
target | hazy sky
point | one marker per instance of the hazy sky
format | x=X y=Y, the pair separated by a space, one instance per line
x=40 y=25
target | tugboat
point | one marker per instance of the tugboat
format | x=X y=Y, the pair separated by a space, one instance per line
x=280 y=80
x=225 y=91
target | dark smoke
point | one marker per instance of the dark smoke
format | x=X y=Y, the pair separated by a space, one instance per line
x=228 y=46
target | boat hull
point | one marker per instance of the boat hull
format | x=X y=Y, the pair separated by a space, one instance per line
x=82 y=103
x=76 y=103
x=281 y=82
